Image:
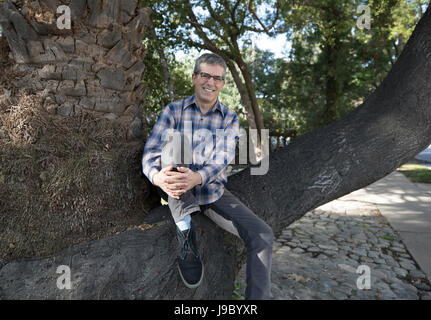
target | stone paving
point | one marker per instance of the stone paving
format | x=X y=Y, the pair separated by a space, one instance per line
x=328 y=253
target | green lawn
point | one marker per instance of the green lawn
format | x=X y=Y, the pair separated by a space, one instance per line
x=416 y=172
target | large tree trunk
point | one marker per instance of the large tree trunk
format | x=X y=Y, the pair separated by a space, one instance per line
x=70 y=123
x=388 y=129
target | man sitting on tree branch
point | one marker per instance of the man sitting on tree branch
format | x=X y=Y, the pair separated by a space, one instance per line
x=195 y=129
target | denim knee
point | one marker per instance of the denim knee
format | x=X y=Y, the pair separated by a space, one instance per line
x=262 y=238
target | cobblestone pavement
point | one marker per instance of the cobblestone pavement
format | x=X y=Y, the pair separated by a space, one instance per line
x=328 y=253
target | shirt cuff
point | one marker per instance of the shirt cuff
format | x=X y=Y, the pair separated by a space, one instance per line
x=152 y=173
x=204 y=175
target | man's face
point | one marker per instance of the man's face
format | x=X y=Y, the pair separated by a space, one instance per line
x=208 y=89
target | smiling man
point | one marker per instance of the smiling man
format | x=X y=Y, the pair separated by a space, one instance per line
x=209 y=131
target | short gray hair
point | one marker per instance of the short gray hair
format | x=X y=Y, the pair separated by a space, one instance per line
x=210 y=58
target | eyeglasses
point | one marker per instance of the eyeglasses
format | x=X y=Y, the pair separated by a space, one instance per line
x=207 y=77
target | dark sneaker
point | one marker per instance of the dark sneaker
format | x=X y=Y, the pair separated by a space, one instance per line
x=189 y=262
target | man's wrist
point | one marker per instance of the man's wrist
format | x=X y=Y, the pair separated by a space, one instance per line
x=198 y=178
x=154 y=179
x=203 y=176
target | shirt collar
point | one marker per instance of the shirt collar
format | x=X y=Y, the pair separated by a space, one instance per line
x=189 y=101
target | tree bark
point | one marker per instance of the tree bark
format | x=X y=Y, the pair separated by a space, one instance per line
x=70 y=148
x=387 y=130
x=96 y=65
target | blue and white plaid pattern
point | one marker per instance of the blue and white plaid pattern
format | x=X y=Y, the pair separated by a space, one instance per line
x=218 y=120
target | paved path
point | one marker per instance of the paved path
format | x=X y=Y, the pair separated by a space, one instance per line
x=407 y=207
x=381 y=230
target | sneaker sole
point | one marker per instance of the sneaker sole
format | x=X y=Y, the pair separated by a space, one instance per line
x=188 y=285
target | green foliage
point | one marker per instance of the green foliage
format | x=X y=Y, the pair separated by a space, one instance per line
x=333 y=65
x=214 y=26
x=331 y=68
x=231 y=97
x=156 y=95
x=270 y=76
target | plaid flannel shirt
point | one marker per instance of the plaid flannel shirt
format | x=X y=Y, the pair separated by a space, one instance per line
x=222 y=122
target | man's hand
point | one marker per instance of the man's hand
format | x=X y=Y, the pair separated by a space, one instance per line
x=160 y=179
x=187 y=177
x=176 y=183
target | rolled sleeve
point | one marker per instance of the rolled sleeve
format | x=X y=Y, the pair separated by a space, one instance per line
x=205 y=175
x=151 y=174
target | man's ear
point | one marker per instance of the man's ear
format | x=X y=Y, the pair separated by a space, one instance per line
x=193 y=78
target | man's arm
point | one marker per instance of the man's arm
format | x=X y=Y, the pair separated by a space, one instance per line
x=151 y=157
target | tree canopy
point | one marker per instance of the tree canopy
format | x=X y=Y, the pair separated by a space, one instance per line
x=331 y=67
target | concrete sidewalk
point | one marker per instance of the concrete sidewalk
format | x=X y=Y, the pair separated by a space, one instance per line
x=407 y=207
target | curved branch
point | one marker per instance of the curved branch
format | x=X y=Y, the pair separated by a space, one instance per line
x=265 y=29
x=232 y=14
x=387 y=130
x=211 y=46
x=217 y=18
x=200 y=27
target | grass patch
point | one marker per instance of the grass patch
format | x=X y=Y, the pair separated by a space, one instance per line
x=386 y=237
x=416 y=172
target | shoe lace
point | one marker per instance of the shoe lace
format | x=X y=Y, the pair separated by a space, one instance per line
x=188 y=247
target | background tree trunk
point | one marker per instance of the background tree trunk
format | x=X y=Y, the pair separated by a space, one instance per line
x=387 y=130
x=165 y=66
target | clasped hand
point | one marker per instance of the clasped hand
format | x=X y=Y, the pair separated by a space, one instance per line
x=176 y=183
